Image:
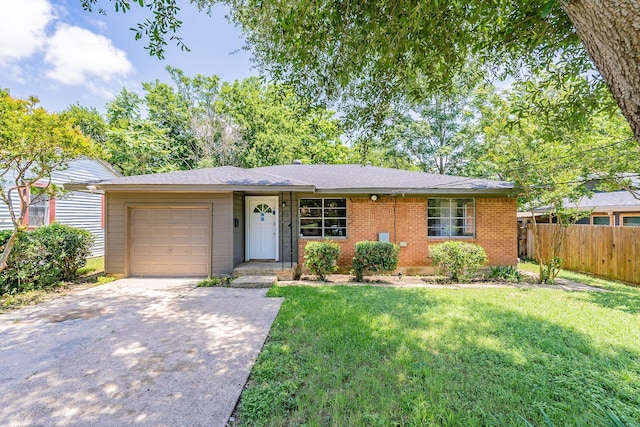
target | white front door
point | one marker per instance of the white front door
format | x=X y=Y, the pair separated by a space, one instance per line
x=262 y=227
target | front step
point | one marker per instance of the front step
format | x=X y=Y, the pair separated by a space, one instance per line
x=258 y=268
x=254 y=281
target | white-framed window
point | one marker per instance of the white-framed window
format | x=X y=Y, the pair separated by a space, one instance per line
x=323 y=217
x=451 y=217
x=39 y=212
x=630 y=220
x=600 y=220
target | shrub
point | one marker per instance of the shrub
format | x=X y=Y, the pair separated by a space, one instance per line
x=214 y=281
x=458 y=259
x=44 y=257
x=374 y=257
x=506 y=272
x=321 y=258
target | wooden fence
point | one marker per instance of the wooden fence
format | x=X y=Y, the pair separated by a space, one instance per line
x=603 y=250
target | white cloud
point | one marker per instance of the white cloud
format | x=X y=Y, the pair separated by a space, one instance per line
x=23 y=28
x=79 y=57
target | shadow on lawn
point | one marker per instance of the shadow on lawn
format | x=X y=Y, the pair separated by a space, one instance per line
x=627 y=300
x=412 y=357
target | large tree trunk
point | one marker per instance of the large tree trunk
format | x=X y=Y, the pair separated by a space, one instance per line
x=610 y=31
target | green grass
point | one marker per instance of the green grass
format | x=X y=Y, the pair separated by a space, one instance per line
x=94 y=265
x=368 y=356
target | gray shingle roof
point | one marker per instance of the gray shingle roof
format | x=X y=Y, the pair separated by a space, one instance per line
x=358 y=178
x=220 y=176
x=307 y=178
x=608 y=200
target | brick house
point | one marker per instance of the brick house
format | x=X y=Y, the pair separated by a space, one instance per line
x=208 y=221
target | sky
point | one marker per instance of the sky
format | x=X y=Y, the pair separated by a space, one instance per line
x=55 y=50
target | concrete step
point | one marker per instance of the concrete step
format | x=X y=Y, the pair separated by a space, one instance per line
x=254 y=268
x=254 y=281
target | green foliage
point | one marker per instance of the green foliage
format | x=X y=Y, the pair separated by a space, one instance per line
x=214 y=281
x=505 y=272
x=438 y=133
x=44 y=257
x=549 y=270
x=204 y=122
x=374 y=257
x=321 y=257
x=458 y=259
x=33 y=144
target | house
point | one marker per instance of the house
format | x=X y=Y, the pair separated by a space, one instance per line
x=617 y=208
x=207 y=221
x=78 y=208
x=612 y=208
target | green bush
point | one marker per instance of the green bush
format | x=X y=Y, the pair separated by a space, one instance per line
x=506 y=272
x=374 y=257
x=321 y=258
x=457 y=259
x=44 y=257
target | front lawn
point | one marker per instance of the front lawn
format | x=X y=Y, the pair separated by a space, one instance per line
x=371 y=355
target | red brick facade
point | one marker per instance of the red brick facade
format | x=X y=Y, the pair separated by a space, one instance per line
x=405 y=219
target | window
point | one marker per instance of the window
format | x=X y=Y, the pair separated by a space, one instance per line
x=39 y=212
x=451 y=217
x=633 y=221
x=323 y=217
x=600 y=220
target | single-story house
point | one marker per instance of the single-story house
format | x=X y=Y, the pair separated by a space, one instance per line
x=207 y=221
x=611 y=208
x=616 y=208
x=81 y=209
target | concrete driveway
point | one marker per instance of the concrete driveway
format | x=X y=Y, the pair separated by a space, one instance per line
x=143 y=352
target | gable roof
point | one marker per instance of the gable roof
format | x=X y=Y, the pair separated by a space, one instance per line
x=355 y=179
x=369 y=179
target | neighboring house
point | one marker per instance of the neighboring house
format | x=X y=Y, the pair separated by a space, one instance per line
x=207 y=221
x=618 y=208
x=77 y=209
x=613 y=208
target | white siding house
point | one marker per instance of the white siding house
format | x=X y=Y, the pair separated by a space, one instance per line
x=77 y=209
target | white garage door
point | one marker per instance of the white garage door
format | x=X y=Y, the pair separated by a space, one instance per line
x=170 y=242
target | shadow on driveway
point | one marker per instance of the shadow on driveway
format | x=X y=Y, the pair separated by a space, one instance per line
x=143 y=352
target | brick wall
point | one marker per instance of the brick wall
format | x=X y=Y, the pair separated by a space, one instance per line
x=405 y=219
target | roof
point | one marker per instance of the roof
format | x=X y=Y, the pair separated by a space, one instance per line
x=224 y=178
x=614 y=201
x=367 y=179
x=305 y=178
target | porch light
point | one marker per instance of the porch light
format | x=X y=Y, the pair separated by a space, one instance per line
x=374 y=197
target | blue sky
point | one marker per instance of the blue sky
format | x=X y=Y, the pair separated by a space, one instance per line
x=56 y=51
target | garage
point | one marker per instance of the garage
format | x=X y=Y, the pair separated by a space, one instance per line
x=173 y=241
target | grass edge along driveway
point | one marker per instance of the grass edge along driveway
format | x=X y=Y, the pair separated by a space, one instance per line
x=345 y=355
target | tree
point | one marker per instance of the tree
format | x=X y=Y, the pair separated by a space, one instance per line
x=204 y=122
x=367 y=54
x=33 y=144
x=438 y=133
x=551 y=160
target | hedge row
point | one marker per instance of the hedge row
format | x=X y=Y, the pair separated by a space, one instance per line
x=44 y=257
x=457 y=259
x=370 y=257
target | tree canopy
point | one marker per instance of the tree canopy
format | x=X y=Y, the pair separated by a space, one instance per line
x=33 y=144
x=201 y=121
x=366 y=54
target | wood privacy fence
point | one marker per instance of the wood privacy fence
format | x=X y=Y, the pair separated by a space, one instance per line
x=603 y=250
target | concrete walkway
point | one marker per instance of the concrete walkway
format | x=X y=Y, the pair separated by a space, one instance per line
x=141 y=352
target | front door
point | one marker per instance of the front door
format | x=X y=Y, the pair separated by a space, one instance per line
x=262 y=227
